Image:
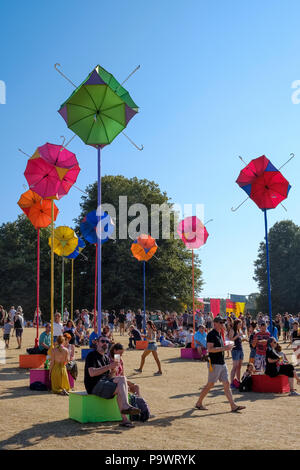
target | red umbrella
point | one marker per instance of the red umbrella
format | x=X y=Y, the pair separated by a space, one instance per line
x=263 y=183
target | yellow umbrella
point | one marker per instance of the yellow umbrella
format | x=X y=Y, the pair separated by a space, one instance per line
x=65 y=241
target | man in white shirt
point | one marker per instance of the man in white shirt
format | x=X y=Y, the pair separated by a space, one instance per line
x=66 y=315
x=58 y=329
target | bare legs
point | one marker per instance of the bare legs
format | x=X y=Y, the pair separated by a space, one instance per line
x=236 y=370
x=227 y=392
x=143 y=358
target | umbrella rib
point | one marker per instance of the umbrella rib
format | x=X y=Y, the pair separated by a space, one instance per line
x=80 y=106
x=104 y=127
x=90 y=96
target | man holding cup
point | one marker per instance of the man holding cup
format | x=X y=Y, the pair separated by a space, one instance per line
x=99 y=378
x=217 y=367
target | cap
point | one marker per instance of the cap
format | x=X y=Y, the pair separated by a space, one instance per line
x=219 y=319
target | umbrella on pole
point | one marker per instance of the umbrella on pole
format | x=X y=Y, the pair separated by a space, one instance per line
x=92 y=231
x=38 y=211
x=143 y=248
x=267 y=187
x=193 y=234
x=97 y=111
x=73 y=256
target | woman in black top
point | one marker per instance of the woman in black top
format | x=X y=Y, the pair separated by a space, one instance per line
x=274 y=368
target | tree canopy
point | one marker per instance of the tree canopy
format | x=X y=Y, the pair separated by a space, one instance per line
x=284 y=253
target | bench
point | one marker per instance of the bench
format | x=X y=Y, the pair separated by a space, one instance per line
x=92 y=409
x=32 y=361
x=262 y=383
x=43 y=375
x=189 y=353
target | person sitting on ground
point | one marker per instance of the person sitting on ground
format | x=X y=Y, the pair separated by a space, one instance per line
x=164 y=342
x=93 y=338
x=79 y=334
x=70 y=328
x=274 y=367
x=99 y=378
x=182 y=336
x=246 y=381
x=295 y=335
x=58 y=372
x=134 y=336
x=200 y=341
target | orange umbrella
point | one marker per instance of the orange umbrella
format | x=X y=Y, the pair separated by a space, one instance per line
x=40 y=213
x=27 y=200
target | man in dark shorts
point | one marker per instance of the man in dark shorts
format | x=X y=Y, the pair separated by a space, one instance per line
x=98 y=378
x=217 y=367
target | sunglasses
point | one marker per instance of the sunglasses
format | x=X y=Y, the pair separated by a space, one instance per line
x=104 y=341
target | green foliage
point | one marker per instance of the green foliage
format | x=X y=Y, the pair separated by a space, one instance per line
x=284 y=252
x=168 y=274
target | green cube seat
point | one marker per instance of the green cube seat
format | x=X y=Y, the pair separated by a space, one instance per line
x=87 y=408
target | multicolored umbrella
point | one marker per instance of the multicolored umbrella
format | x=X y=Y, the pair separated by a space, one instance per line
x=89 y=228
x=39 y=212
x=97 y=111
x=143 y=248
x=193 y=234
x=267 y=187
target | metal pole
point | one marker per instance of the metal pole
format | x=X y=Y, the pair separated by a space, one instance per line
x=52 y=269
x=37 y=289
x=72 y=289
x=99 y=245
x=193 y=291
x=62 y=286
x=144 y=276
x=95 y=297
x=268 y=272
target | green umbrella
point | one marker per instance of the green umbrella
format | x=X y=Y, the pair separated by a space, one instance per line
x=97 y=111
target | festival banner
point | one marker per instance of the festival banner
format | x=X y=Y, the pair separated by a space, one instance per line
x=239 y=308
x=215 y=307
x=230 y=306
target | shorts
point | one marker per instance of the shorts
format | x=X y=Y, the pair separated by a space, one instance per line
x=237 y=354
x=219 y=372
x=6 y=336
x=19 y=332
x=151 y=347
x=105 y=389
x=252 y=353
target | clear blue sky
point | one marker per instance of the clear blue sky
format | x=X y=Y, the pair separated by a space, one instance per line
x=215 y=83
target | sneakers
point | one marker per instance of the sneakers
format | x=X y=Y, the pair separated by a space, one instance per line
x=138 y=371
x=131 y=411
x=293 y=393
x=157 y=373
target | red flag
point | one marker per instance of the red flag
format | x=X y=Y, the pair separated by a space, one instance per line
x=230 y=305
x=215 y=307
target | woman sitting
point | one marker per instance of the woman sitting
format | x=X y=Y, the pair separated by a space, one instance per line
x=275 y=367
x=79 y=333
x=163 y=341
x=58 y=372
x=115 y=355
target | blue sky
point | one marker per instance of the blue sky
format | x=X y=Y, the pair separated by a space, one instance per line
x=215 y=83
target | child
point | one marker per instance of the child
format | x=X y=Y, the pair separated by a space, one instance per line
x=246 y=382
x=8 y=325
x=280 y=353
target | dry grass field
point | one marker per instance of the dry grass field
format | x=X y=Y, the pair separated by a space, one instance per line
x=39 y=420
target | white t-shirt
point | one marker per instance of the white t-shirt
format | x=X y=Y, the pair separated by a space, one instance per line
x=58 y=329
x=12 y=313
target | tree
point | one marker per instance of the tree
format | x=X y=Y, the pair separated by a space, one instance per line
x=18 y=254
x=284 y=246
x=168 y=274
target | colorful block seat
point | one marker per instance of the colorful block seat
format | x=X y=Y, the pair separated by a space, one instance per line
x=92 y=409
x=31 y=361
x=266 y=384
x=189 y=353
x=85 y=351
x=141 y=345
x=43 y=375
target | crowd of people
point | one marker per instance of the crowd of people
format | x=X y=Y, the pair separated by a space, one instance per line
x=104 y=369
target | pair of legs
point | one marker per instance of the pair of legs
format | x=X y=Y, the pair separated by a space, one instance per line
x=122 y=329
x=236 y=370
x=19 y=338
x=202 y=351
x=121 y=393
x=228 y=394
x=143 y=358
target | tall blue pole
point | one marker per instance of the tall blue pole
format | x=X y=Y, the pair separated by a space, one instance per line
x=99 y=316
x=144 y=272
x=268 y=272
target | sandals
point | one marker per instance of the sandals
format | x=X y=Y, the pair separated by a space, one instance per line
x=239 y=408
x=127 y=424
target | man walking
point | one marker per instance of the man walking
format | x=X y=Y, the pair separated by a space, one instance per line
x=217 y=367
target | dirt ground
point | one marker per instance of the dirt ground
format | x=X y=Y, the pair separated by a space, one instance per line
x=39 y=420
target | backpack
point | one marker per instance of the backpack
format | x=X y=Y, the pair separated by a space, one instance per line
x=18 y=323
x=38 y=386
x=140 y=403
x=246 y=385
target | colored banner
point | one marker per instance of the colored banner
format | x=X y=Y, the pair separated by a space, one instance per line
x=238 y=298
x=239 y=308
x=215 y=307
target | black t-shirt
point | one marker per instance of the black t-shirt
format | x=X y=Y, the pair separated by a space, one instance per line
x=271 y=369
x=122 y=317
x=136 y=334
x=96 y=360
x=295 y=335
x=111 y=318
x=138 y=318
x=216 y=339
